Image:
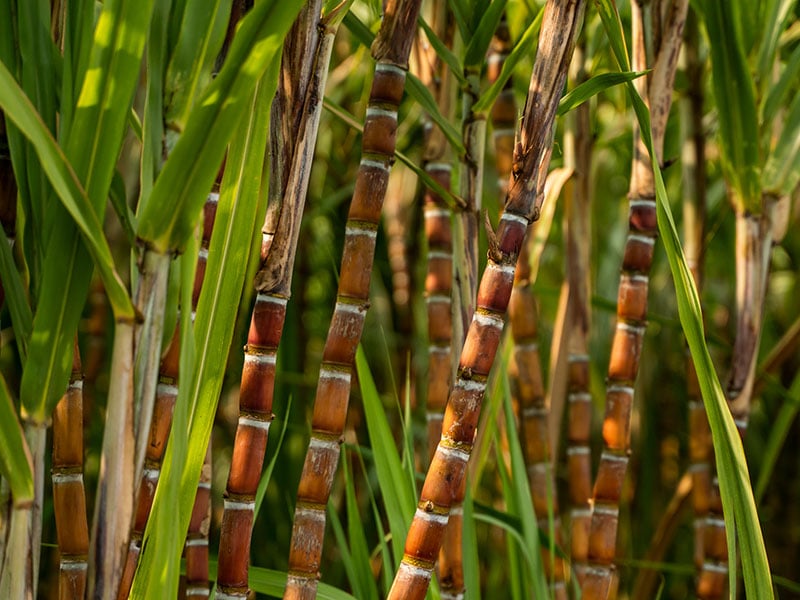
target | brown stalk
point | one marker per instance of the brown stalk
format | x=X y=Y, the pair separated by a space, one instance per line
x=710 y=576
x=525 y=371
x=304 y=69
x=577 y=152
x=601 y=577
x=444 y=481
x=114 y=499
x=438 y=231
x=196 y=547
x=647 y=580
x=439 y=284
x=69 y=495
x=390 y=50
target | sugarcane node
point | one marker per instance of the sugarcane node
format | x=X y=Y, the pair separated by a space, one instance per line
x=268 y=276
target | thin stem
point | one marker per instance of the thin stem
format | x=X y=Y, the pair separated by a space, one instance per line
x=577 y=150
x=114 y=500
x=150 y=300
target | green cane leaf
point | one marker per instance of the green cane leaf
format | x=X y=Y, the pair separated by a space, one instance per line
x=16 y=299
x=594 y=86
x=780 y=89
x=180 y=191
x=734 y=93
x=64 y=181
x=201 y=34
x=443 y=52
x=399 y=497
x=15 y=459
x=475 y=54
x=782 y=171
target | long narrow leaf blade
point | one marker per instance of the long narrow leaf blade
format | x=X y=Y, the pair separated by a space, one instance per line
x=398 y=498
x=179 y=193
x=15 y=459
x=61 y=175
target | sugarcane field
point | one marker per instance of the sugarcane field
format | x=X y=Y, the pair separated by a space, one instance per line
x=403 y=299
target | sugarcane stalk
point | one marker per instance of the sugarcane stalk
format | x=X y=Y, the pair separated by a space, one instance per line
x=444 y=481
x=390 y=51
x=466 y=233
x=69 y=495
x=504 y=110
x=304 y=67
x=17 y=573
x=438 y=301
x=36 y=437
x=601 y=579
x=150 y=298
x=700 y=446
x=439 y=290
x=196 y=548
x=5 y=519
x=577 y=155
x=166 y=394
x=115 y=493
x=525 y=371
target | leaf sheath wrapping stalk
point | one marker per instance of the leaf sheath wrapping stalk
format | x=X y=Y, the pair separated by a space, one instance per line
x=444 y=480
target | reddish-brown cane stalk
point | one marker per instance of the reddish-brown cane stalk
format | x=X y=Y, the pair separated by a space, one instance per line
x=525 y=368
x=445 y=477
x=69 y=495
x=438 y=231
x=390 y=50
x=711 y=578
x=196 y=547
x=601 y=578
x=439 y=284
x=304 y=69
x=577 y=154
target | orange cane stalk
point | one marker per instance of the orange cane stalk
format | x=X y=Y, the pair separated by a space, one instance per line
x=444 y=481
x=601 y=578
x=390 y=50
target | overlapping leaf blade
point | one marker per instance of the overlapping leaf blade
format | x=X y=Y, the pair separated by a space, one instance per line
x=179 y=193
x=92 y=147
x=242 y=201
x=15 y=459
